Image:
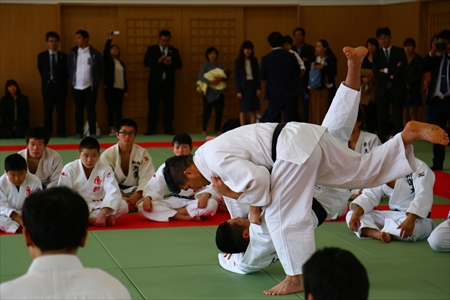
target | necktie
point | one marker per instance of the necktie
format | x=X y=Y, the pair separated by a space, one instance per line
x=386 y=52
x=444 y=73
x=54 y=68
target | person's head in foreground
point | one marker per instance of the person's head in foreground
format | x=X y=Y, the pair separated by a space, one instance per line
x=89 y=152
x=180 y=173
x=333 y=273
x=16 y=169
x=55 y=222
x=182 y=144
x=233 y=236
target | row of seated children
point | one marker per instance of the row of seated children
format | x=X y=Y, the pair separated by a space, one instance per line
x=116 y=183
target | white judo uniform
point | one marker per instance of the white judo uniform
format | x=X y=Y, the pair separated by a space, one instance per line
x=412 y=193
x=99 y=190
x=11 y=199
x=366 y=142
x=306 y=155
x=140 y=169
x=439 y=239
x=62 y=276
x=165 y=208
x=49 y=167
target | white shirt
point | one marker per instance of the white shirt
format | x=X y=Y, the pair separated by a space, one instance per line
x=56 y=59
x=83 y=73
x=437 y=88
x=248 y=70
x=118 y=75
x=62 y=276
x=389 y=53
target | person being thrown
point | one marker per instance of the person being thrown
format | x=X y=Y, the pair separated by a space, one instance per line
x=240 y=164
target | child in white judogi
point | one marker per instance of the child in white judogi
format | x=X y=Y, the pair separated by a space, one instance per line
x=96 y=183
x=15 y=185
x=132 y=164
x=439 y=239
x=411 y=198
x=42 y=161
x=187 y=205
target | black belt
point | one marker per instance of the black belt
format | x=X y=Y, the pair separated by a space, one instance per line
x=123 y=187
x=180 y=196
x=317 y=208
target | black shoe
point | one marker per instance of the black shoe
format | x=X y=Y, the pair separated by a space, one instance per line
x=62 y=136
x=170 y=132
x=79 y=136
x=437 y=168
x=149 y=133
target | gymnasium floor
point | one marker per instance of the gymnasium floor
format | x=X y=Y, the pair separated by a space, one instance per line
x=181 y=262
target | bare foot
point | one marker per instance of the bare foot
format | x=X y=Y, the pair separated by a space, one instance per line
x=385 y=237
x=415 y=131
x=110 y=221
x=290 y=285
x=355 y=54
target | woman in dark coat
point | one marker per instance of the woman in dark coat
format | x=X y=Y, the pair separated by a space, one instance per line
x=14 y=111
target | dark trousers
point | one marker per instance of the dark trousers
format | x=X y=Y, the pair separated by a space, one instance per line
x=288 y=106
x=55 y=97
x=370 y=115
x=9 y=133
x=166 y=93
x=86 y=98
x=114 y=100
x=439 y=115
x=218 y=105
x=383 y=103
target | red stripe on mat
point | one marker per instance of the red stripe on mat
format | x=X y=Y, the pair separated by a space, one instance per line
x=442 y=184
x=102 y=146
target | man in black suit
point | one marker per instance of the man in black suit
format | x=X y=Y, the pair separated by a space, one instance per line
x=306 y=53
x=281 y=71
x=438 y=96
x=391 y=86
x=52 y=65
x=162 y=60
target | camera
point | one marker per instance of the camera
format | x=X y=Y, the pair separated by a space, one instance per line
x=114 y=32
x=441 y=46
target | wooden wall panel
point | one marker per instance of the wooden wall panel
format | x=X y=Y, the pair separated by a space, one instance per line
x=22 y=34
x=97 y=21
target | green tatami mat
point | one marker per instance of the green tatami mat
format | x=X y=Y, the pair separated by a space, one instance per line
x=164 y=247
x=120 y=275
x=200 y=282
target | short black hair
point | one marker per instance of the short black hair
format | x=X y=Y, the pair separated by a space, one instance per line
x=56 y=218
x=83 y=33
x=333 y=273
x=287 y=39
x=299 y=29
x=383 y=30
x=89 y=143
x=275 y=39
x=209 y=50
x=229 y=238
x=444 y=34
x=39 y=133
x=165 y=33
x=128 y=123
x=173 y=171
x=15 y=162
x=51 y=34
x=10 y=82
x=182 y=138
x=409 y=42
x=373 y=41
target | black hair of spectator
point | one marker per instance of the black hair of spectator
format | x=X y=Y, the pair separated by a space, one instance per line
x=241 y=59
x=165 y=33
x=89 y=143
x=444 y=34
x=15 y=162
x=409 y=42
x=51 y=34
x=383 y=30
x=288 y=39
x=10 y=82
x=373 y=41
x=325 y=44
x=182 y=139
x=39 y=133
x=229 y=238
x=275 y=39
x=173 y=171
x=129 y=123
x=210 y=50
x=83 y=33
x=299 y=29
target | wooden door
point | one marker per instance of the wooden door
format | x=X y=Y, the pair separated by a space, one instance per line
x=201 y=28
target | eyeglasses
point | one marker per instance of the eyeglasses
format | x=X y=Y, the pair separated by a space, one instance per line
x=124 y=133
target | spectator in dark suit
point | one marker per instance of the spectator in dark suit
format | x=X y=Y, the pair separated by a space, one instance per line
x=306 y=53
x=52 y=66
x=438 y=95
x=413 y=79
x=162 y=60
x=85 y=65
x=14 y=111
x=391 y=87
x=281 y=72
x=248 y=84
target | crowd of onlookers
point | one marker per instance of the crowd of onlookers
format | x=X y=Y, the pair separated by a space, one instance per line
x=395 y=82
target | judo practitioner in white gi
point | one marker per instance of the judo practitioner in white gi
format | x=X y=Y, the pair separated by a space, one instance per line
x=42 y=161
x=55 y=226
x=410 y=201
x=439 y=239
x=132 y=164
x=96 y=183
x=15 y=185
x=187 y=205
x=239 y=163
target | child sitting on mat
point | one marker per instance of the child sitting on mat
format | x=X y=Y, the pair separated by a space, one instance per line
x=96 y=183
